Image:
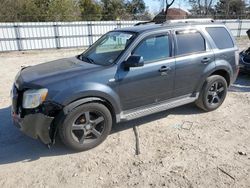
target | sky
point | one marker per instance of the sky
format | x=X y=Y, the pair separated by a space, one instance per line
x=155 y=5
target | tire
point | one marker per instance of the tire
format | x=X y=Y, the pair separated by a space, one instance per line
x=212 y=96
x=86 y=126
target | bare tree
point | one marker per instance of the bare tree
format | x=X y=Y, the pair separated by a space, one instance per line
x=162 y=16
x=168 y=5
x=202 y=7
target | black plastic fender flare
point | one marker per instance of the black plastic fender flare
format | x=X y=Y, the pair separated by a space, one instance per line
x=67 y=109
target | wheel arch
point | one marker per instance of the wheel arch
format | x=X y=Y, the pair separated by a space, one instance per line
x=224 y=73
x=221 y=71
x=78 y=102
x=59 y=118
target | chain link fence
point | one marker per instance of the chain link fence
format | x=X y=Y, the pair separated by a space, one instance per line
x=58 y=35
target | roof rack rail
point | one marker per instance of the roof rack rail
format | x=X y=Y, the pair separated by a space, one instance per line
x=199 y=20
x=191 y=20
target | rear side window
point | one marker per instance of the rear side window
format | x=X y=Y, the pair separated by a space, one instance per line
x=190 y=42
x=221 y=37
x=154 y=48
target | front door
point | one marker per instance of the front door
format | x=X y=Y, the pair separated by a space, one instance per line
x=154 y=82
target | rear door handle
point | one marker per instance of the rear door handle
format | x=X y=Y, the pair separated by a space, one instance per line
x=164 y=69
x=206 y=60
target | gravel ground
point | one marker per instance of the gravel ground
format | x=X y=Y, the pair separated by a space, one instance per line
x=182 y=147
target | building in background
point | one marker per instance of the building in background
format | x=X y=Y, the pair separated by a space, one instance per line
x=177 y=13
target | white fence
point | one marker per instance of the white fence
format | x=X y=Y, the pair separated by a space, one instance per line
x=49 y=35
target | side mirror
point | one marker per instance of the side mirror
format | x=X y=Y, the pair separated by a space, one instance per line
x=134 y=61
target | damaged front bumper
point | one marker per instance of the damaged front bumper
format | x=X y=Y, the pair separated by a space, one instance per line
x=38 y=123
x=36 y=126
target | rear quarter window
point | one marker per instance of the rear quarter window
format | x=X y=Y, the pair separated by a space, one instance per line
x=221 y=37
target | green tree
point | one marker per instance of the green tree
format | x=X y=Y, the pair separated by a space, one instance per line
x=7 y=10
x=43 y=8
x=137 y=10
x=62 y=10
x=28 y=11
x=38 y=10
x=90 y=10
x=230 y=9
x=18 y=10
x=114 y=10
x=71 y=10
x=136 y=7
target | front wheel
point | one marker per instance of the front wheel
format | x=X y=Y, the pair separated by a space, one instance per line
x=213 y=93
x=86 y=126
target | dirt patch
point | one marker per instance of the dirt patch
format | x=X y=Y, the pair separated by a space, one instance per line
x=182 y=147
x=243 y=42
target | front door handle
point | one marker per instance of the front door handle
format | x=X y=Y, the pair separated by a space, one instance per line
x=164 y=69
x=206 y=60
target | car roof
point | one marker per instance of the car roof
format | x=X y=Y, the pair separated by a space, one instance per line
x=153 y=26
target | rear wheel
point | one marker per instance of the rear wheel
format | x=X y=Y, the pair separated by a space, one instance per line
x=86 y=126
x=213 y=93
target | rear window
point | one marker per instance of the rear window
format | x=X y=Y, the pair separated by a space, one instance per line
x=190 y=42
x=221 y=37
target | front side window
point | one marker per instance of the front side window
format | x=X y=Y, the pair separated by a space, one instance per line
x=153 y=48
x=108 y=48
x=189 y=42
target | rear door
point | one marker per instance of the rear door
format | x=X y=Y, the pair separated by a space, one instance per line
x=193 y=54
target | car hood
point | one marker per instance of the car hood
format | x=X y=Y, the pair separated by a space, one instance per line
x=45 y=73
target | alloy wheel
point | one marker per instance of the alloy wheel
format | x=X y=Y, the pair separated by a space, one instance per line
x=88 y=127
x=216 y=93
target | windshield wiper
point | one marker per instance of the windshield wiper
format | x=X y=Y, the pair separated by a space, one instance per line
x=85 y=58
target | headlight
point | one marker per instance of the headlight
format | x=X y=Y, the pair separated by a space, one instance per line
x=33 y=98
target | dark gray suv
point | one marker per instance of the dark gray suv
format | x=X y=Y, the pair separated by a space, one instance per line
x=128 y=73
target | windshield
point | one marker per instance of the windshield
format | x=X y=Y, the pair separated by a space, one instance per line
x=108 y=48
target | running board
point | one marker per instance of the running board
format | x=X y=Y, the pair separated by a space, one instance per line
x=151 y=109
